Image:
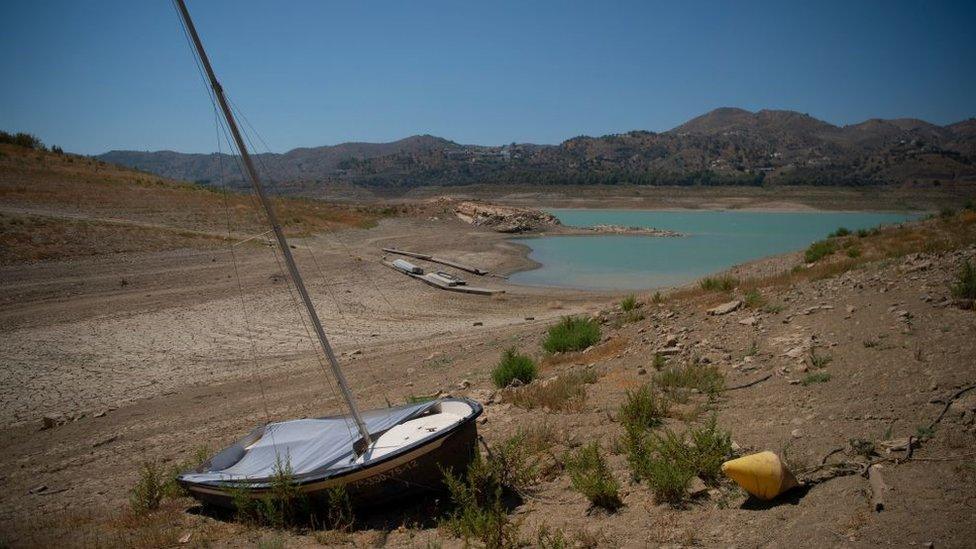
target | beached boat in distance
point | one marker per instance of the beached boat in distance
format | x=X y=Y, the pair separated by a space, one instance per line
x=448 y=278
x=376 y=455
x=407 y=267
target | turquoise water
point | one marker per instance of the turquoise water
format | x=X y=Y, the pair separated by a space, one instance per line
x=715 y=240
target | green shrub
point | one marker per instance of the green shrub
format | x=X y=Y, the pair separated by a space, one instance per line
x=635 y=447
x=693 y=375
x=862 y=233
x=668 y=480
x=965 y=285
x=853 y=253
x=815 y=377
x=754 y=299
x=590 y=475
x=552 y=540
x=819 y=250
x=841 y=231
x=479 y=511
x=642 y=409
x=720 y=284
x=148 y=492
x=515 y=467
x=512 y=366
x=657 y=298
x=753 y=349
x=924 y=432
x=339 y=514
x=156 y=483
x=651 y=458
x=282 y=506
x=711 y=446
x=818 y=361
x=629 y=303
x=660 y=361
x=631 y=309
x=479 y=495
x=478 y=498
x=667 y=461
x=572 y=334
x=634 y=315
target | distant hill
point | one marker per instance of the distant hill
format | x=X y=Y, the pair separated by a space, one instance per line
x=57 y=205
x=724 y=146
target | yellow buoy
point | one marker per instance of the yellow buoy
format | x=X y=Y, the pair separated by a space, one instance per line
x=763 y=475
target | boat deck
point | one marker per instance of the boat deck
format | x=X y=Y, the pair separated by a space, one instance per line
x=436 y=282
x=433 y=259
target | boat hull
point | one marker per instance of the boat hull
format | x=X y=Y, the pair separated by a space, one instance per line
x=403 y=474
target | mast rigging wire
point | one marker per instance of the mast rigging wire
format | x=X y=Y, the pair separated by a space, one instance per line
x=211 y=96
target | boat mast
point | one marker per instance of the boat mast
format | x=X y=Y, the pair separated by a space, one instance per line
x=252 y=174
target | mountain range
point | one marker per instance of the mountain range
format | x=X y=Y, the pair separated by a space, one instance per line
x=724 y=146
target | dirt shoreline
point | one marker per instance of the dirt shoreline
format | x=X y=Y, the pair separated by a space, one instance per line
x=787 y=208
x=786 y=198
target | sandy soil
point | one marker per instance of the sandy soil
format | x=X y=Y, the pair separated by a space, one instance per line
x=84 y=336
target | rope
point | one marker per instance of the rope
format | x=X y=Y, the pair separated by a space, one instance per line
x=366 y=276
x=357 y=337
x=237 y=276
x=221 y=128
x=319 y=353
x=273 y=247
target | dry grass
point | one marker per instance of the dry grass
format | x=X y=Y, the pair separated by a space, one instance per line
x=72 y=185
x=706 y=378
x=27 y=239
x=596 y=354
x=566 y=392
x=559 y=539
x=118 y=528
x=539 y=438
x=718 y=284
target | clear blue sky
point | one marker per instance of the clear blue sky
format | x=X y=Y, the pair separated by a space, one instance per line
x=98 y=75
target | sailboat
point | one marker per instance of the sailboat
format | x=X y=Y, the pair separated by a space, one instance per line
x=375 y=455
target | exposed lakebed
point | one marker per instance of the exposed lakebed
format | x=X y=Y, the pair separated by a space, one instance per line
x=713 y=241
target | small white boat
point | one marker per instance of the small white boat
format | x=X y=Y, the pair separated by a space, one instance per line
x=407 y=267
x=411 y=446
x=447 y=278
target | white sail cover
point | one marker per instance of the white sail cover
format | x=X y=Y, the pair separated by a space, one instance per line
x=312 y=447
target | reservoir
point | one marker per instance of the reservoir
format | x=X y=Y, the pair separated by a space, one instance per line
x=713 y=240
